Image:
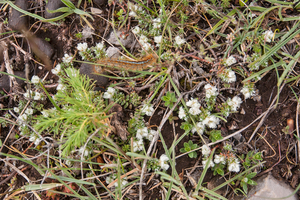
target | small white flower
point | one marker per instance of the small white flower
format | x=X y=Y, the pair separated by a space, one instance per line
x=247 y=91
x=26 y=94
x=100 y=46
x=179 y=41
x=123 y=183
x=138 y=145
x=82 y=46
x=108 y=180
x=234 y=165
x=151 y=134
x=60 y=87
x=193 y=103
x=228 y=76
x=109 y=93
x=37 y=96
x=194 y=111
x=146 y=46
x=156 y=23
x=83 y=151
x=16 y=109
x=35 y=79
x=205 y=150
x=211 y=91
x=163 y=162
x=182 y=114
x=136 y=30
x=132 y=14
x=235 y=103
x=195 y=106
x=67 y=58
x=56 y=70
x=158 y=39
x=33 y=138
x=230 y=61
x=143 y=39
x=148 y=110
x=211 y=163
x=22 y=117
x=268 y=36
x=45 y=113
x=199 y=128
x=142 y=132
x=211 y=121
x=220 y=159
x=29 y=111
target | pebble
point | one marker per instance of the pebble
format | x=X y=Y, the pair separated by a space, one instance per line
x=17 y=20
x=53 y=5
x=90 y=71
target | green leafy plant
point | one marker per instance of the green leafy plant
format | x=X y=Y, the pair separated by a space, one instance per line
x=247 y=180
x=215 y=135
x=189 y=146
x=83 y=111
x=169 y=99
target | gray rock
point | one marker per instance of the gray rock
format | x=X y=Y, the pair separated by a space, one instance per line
x=268 y=187
x=95 y=74
x=17 y=20
x=127 y=41
x=53 y=5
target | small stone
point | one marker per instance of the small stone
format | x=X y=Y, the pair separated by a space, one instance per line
x=113 y=52
x=17 y=20
x=94 y=73
x=126 y=40
x=53 y=5
x=269 y=187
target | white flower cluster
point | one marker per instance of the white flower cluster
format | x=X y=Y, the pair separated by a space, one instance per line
x=211 y=91
x=268 y=36
x=163 y=162
x=205 y=152
x=36 y=95
x=35 y=139
x=156 y=23
x=67 y=59
x=194 y=106
x=220 y=159
x=142 y=133
x=83 y=151
x=248 y=90
x=109 y=93
x=211 y=121
x=181 y=113
x=82 y=47
x=230 y=61
x=56 y=70
x=234 y=103
x=110 y=179
x=148 y=110
x=35 y=79
x=228 y=76
x=144 y=42
x=199 y=128
x=133 y=9
x=233 y=164
x=179 y=41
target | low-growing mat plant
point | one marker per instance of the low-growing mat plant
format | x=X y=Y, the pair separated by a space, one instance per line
x=90 y=158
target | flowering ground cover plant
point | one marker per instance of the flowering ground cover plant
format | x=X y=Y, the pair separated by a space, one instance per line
x=181 y=113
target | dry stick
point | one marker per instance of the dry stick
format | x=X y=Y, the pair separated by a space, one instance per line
x=266 y=114
x=297 y=129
